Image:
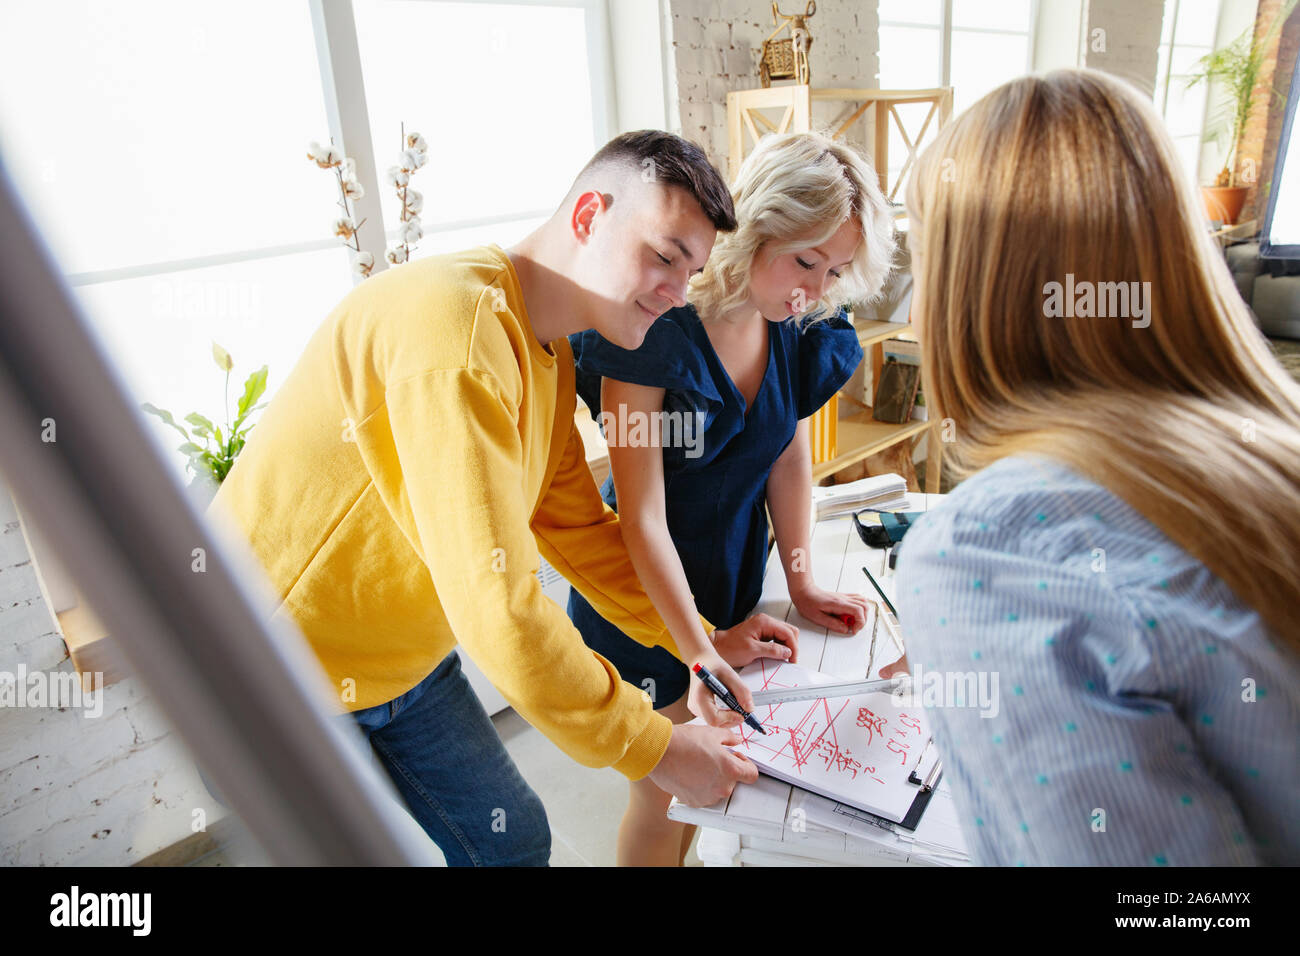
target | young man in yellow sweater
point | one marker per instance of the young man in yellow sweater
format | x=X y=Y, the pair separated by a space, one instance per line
x=399 y=486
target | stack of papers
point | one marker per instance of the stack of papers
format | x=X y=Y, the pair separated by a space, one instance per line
x=938 y=841
x=886 y=492
x=798 y=825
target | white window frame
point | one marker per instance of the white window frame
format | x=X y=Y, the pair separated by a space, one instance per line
x=339 y=59
x=1169 y=76
x=945 y=28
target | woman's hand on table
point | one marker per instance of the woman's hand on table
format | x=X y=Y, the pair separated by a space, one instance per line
x=758 y=636
x=829 y=608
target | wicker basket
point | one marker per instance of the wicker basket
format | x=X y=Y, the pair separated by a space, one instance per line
x=778 y=57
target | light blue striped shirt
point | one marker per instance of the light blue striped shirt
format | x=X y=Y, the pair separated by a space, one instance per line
x=1144 y=716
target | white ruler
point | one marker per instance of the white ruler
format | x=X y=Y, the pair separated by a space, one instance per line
x=779 y=695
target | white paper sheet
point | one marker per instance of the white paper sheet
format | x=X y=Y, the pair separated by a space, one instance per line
x=856 y=750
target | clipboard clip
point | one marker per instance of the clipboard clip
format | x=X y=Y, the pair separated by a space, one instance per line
x=932 y=775
x=931 y=779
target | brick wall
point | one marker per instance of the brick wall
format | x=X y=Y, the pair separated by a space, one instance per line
x=716 y=46
x=28 y=632
x=1129 y=44
x=1259 y=140
x=104 y=790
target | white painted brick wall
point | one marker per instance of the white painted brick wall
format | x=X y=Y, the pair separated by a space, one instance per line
x=716 y=45
x=28 y=632
x=1132 y=39
x=74 y=789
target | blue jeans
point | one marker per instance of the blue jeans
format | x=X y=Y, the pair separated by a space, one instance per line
x=446 y=760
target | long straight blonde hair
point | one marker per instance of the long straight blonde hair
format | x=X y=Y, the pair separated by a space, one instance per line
x=1185 y=414
x=794 y=191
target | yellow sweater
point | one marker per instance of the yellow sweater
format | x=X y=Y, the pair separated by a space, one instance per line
x=400 y=484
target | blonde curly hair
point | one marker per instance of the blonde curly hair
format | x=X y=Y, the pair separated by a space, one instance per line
x=794 y=191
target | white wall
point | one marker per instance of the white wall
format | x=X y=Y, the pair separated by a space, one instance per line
x=1131 y=39
x=105 y=790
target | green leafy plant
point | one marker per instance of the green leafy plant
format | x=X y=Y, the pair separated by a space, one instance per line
x=213 y=460
x=1237 y=66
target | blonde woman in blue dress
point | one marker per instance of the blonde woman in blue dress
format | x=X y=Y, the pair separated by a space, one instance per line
x=760 y=347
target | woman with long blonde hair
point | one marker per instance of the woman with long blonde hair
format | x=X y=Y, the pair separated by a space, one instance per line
x=1125 y=553
x=759 y=349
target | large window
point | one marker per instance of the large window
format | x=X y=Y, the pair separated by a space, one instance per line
x=973 y=46
x=173 y=189
x=992 y=42
x=161 y=148
x=1188 y=34
x=509 y=98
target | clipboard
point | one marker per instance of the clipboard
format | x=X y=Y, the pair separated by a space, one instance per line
x=913 y=818
x=910 y=821
x=924 y=792
x=829 y=737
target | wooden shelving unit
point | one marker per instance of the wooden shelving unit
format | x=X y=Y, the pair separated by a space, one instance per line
x=872 y=331
x=860 y=436
x=752 y=114
x=873 y=334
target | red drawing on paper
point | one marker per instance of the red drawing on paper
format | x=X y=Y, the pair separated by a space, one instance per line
x=874 y=724
x=805 y=730
x=843 y=748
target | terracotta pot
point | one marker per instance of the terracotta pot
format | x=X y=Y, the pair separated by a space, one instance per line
x=1223 y=202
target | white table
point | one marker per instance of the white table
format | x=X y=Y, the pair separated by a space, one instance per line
x=774 y=823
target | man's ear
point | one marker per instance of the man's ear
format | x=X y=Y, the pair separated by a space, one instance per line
x=585 y=208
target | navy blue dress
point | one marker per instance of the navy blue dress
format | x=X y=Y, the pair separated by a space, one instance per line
x=714 y=486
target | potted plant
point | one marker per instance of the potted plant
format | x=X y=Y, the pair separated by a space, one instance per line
x=1237 y=65
x=211 y=462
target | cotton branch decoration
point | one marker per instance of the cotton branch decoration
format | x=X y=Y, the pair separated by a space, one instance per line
x=415 y=153
x=345 y=227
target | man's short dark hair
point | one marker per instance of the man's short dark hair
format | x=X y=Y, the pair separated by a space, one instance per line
x=674 y=162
